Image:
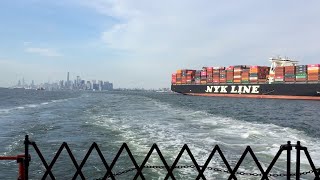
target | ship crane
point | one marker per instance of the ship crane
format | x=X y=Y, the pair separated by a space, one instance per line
x=276 y=62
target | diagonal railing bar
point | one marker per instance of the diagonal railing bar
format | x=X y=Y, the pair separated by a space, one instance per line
x=216 y=148
x=185 y=148
x=155 y=147
x=256 y=160
x=124 y=146
x=265 y=175
x=316 y=173
x=44 y=162
x=96 y=147
x=194 y=161
x=233 y=172
x=164 y=162
x=64 y=145
x=276 y=157
x=176 y=161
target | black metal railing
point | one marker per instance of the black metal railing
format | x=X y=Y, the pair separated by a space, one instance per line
x=233 y=173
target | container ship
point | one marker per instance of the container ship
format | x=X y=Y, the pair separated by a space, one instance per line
x=284 y=79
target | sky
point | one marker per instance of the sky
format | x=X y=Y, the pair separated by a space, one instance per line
x=140 y=43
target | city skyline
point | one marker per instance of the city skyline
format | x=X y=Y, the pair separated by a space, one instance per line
x=141 y=43
x=67 y=84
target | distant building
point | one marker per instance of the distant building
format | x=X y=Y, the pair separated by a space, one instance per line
x=61 y=84
x=107 y=86
x=68 y=84
x=95 y=86
x=88 y=85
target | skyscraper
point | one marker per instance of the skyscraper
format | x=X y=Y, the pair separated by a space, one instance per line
x=68 y=82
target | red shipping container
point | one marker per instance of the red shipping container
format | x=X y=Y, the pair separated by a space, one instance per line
x=313 y=65
x=203 y=73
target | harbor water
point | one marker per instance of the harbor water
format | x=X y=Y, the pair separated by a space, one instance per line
x=141 y=119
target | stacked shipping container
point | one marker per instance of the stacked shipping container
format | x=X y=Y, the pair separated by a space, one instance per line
x=223 y=76
x=174 y=78
x=279 y=74
x=301 y=73
x=209 y=75
x=313 y=72
x=198 y=76
x=179 y=75
x=190 y=76
x=289 y=73
x=258 y=74
x=216 y=74
x=237 y=75
x=184 y=76
x=242 y=74
x=245 y=76
x=203 y=79
x=229 y=72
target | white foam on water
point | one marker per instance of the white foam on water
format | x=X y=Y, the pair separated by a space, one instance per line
x=6 y=111
x=171 y=127
x=32 y=105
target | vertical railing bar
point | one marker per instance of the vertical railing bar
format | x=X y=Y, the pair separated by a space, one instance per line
x=289 y=147
x=26 y=157
x=21 y=167
x=298 y=148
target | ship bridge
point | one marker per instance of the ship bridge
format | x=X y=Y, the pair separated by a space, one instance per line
x=279 y=61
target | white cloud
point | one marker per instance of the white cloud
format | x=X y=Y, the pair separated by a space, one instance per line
x=43 y=51
x=159 y=37
x=208 y=28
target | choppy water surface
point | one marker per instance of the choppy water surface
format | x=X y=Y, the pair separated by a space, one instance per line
x=143 y=118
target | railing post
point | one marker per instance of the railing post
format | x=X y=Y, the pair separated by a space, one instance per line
x=298 y=148
x=289 y=148
x=20 y=161
x=26 y=157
